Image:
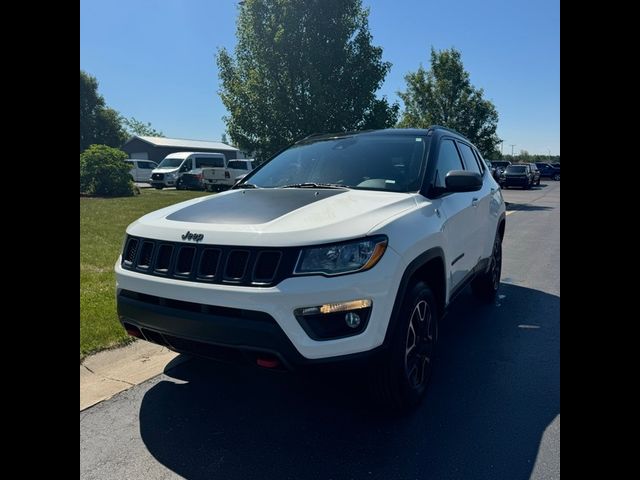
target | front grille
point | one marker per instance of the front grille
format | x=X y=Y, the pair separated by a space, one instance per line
x=157 y=176
x=247 y=266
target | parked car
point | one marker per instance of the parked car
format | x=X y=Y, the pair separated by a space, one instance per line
x=141 y=169
x=548 y=171
x=170 y=171
x=492 y=169
x=500 y=166
x=519 y=175
x=222 y=178
x=536 y=173
x=343 y=249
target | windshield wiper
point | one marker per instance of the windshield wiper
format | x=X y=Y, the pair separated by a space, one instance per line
x=246 y=185
x=315 y=185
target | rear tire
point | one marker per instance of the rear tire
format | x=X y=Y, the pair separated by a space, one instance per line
x=556 y=177
x=485 y=286
x=158 y=188
x=400 y=380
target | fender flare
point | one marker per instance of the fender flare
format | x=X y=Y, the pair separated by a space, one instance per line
x=418 y=262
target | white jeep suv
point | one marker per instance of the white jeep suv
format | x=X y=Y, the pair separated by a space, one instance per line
x=342 y=248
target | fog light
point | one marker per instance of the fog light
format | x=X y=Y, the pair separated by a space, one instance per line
x=352 y=319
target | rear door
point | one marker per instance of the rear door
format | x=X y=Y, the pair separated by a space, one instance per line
x=480 y=201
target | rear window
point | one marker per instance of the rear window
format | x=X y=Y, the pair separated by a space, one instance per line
x=516 y=169
x=202 y=162
x=238 y=165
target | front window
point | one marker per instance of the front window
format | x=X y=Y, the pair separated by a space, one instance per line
x=171 y=163
x=367 y=162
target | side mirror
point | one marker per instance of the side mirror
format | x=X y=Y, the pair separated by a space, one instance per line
x=184 y=168
x=463 y=181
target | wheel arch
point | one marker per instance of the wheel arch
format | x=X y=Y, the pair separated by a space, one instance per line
x=428 y=267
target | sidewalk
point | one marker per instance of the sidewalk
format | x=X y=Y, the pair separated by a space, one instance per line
x=112 y=371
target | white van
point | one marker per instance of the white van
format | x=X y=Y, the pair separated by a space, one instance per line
x=141 y=169
x=171 y=170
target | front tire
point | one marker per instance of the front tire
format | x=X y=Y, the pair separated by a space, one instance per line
x=556 y=177
x=401 y=379
x=485 y=286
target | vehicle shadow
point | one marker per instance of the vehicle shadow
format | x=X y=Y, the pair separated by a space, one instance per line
x=527 y=207
x=493 y=393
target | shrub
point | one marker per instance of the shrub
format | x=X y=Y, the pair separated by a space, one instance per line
x=103 y=172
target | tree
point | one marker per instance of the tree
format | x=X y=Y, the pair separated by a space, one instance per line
x=301 y=67
x=444 y=96
x=104 y=172
x=224 y=138
x=136 y=127
x=98 y=124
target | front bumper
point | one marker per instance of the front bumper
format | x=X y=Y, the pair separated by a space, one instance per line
x=282 y=335
x=516 y=181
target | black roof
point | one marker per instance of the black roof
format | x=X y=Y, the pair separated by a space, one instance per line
x=435 y=129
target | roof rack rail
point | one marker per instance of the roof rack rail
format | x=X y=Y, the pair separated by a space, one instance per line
x=440 y=127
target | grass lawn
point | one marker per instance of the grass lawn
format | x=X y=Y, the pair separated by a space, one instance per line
x=102 y=227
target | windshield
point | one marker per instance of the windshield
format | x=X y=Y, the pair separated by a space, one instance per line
x=171 y=163
x=500 y=164
x=516 y=169
x=368 y=162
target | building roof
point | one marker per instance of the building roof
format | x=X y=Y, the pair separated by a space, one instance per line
x=184 y=143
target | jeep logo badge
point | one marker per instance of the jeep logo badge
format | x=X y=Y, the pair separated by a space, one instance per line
x=196 y=237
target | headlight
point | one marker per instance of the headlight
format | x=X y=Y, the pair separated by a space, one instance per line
x=170 y=176
x=342 y=258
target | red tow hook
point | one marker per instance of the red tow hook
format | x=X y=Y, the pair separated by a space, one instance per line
x=268 y=362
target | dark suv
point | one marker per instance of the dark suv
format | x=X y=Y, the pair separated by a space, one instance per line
x=548 y=171
x=517 y=176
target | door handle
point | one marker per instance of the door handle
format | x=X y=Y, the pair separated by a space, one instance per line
x=474 y=202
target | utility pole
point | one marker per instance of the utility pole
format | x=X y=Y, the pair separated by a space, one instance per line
x=512 y=148
x=549 y=151
x=501 y=144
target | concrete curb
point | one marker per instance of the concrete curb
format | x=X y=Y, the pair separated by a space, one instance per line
x=110 y=372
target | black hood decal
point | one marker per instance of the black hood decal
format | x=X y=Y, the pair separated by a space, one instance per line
x=251 y=207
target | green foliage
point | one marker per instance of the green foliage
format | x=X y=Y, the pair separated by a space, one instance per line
x=444 y=96
x=136 y=127
x=98 y=124
x=301 y=67
x=103 y=172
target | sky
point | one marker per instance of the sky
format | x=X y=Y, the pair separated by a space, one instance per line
x=155 y=59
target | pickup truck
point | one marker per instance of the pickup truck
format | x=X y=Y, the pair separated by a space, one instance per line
x=219 y=178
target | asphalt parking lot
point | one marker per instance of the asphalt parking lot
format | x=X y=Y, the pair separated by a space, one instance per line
x=492 y=411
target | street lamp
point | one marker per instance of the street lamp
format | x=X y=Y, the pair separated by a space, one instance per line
x=512 y=148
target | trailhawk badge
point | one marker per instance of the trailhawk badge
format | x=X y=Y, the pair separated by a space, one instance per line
x=196 y=237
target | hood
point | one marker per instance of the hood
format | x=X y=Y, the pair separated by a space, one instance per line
x=275 y=217
x=165 y=170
